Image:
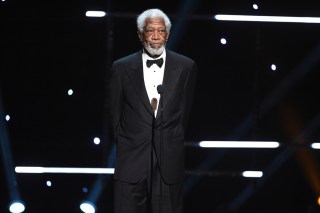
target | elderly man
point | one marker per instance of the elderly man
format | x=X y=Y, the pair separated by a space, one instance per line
x=150 y=95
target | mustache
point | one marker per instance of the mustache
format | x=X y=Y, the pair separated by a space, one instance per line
x=149 y=44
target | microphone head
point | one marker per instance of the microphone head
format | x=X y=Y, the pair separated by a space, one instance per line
x=160 y=89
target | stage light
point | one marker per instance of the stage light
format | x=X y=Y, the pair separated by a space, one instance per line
x=85 y=190
x=63 y=170
x=255 y=174
x=223 y=41
x=49 y=183
x=87 y=207
x=96 y=140
x=318 y=201
x=7 y=117
x=239 y=144
x=250 y=18
x=273 y=67
x=16 y=207
x=315 y=145
x=95 y=14
x=70 y=92
x=255 y=6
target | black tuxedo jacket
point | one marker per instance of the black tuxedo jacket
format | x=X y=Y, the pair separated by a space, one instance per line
x=130 y=114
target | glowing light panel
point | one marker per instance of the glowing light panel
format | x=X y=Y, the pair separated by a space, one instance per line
x=284 y=19
x=255 y=174
x=66 y=170
x=239 y=144
x=315 y=145
x=95 y=14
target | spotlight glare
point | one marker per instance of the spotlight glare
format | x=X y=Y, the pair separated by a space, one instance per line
x=255 y=6
x=283 y=19
x=318 y=201
x=256 y=174
x=95 y=14
x=238 y=144
x=315 y=145
x=7 y=117
x=70 y=92
x=87 y=207
x=223 y=41
x=16 y=207
x=273 y=67
x=49 y=183
x=96 y=140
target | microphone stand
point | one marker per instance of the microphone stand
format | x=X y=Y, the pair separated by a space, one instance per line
x=160 y=91
x=154 y=104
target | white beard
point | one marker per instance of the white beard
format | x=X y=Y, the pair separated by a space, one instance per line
x=153 y=51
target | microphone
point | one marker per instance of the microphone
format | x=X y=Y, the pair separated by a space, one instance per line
x=160 y=89
x=154 y=104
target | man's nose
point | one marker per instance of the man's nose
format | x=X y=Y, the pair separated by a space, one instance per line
x=156 y=35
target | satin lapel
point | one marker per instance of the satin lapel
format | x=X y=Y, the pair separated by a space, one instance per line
x=171 y=76
x=135 y=74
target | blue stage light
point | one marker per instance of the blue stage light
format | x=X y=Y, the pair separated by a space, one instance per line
x=16 y=207
x=87 y=207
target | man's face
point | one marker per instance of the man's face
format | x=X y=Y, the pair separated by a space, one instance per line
x=154 y=36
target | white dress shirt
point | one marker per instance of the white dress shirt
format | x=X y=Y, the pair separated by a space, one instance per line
x=153 y=76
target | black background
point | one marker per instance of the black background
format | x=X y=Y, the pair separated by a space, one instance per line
x=49 y=47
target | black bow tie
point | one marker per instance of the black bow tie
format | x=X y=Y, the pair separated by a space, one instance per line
x=159 y=62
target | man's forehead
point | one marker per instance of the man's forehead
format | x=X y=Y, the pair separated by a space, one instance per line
x=155 y=21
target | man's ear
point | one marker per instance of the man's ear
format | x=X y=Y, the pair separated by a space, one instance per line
x=167 y=36
x=140 y=36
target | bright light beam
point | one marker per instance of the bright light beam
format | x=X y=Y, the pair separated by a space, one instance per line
x=253 y=174
x=238 y=144
x=315 y=145
x=64 y=170
x=283 y=19
x=95 y=14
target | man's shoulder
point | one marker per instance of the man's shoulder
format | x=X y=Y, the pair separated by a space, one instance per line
x=132 y=58
x=179 y=57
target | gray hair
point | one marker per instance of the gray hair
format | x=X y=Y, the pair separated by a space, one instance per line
x=152 y=13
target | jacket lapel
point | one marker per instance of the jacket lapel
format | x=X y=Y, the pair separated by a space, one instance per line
x=135 y=74
x=171 y=75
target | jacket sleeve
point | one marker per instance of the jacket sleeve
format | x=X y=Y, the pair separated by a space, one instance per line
x=114 y=104
x=189 y=90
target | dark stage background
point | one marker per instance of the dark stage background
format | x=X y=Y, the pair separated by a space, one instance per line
x=49 y=47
